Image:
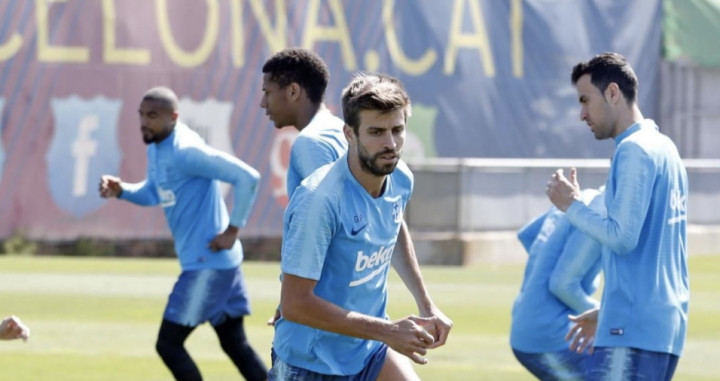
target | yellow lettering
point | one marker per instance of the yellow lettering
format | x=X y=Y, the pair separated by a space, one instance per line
x=47 y=52
x=339 y=33
x=275 y=39
x=10 y=48
x=478 y=40
x=238 y=37
x=516 y=28
x=111 y=53
x=176 y=53
x=396 y=53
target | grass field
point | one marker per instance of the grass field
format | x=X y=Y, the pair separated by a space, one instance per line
x=96 y=319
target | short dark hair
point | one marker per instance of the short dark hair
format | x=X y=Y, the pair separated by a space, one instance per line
x=607 y=68
x=301 y=66
x=163 y=95
x=369 y=91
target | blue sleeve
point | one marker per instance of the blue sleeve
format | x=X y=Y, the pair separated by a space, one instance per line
x=310 y=222
x=529 y=232
x=308 y=154
x=205 y=161
x=580 y=256
x=632 y=172
x=143 y=193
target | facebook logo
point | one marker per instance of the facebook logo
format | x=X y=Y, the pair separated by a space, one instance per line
x=83 y=147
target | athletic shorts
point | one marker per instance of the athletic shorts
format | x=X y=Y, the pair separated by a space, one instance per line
x=207 y=295
x=630 y=364
x=562 y=365
x=282 y=371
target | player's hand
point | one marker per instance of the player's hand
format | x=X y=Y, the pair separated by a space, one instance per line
x=410 y=338
x=274 y=318
x=583 y=332
x=12 y=328
x=224 y=240
x=439 y=326
x=562 y=191
x=109 y=186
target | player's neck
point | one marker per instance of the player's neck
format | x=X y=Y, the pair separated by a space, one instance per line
x=627 y=119
x=165 y=134
x=307 y=113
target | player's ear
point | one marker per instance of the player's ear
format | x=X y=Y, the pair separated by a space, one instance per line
x=294 y=90
x=174 y=115
x=612 y=93
x=349 y=133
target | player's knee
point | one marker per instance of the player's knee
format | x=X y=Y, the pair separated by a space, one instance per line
x=236 y=345
x=165 y=348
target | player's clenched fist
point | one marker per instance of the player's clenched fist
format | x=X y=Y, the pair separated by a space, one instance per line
x=110 y=186
x=12 y=328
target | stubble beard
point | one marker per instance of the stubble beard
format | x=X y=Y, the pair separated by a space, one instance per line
x=369 y=163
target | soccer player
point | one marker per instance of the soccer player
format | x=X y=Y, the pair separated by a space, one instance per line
x=182 y=177
x=340 y=229
x=294 y=82
x=639 y=329
x=560 y=276
x=12 y=328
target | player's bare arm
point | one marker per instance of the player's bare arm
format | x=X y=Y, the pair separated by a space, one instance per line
x=407 y=336
x=406 y=265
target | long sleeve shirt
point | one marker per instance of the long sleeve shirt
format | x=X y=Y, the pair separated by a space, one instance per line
x=644 y=235
x=182 y=177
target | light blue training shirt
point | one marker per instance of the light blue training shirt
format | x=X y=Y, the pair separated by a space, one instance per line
x=644 y=237
x=561 y=274
x=182 y=177
x=335 y=232
x=321 y=142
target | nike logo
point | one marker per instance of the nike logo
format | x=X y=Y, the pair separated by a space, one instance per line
x=353 y=231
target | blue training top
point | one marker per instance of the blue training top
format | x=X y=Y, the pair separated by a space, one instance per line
x=335 y=232
x=645 y=300
x=182 y=177
x=560 y=277
x=321 y=142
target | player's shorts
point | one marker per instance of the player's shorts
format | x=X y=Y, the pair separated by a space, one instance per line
x=207 y=295
x=629 y=364
x=282 y=371
x=562 y=365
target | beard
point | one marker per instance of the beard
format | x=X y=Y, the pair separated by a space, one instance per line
x=370 y=163
x=150 y=137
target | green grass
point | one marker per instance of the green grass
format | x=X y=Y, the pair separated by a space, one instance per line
x=97 y=319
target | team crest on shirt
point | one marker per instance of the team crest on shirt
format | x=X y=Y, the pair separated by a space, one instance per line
x=83 y=147
x=397 y=212
x=210 y=118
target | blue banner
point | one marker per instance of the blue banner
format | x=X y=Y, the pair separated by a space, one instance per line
x=488 y=78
